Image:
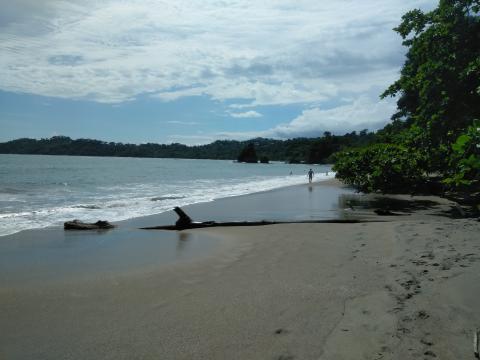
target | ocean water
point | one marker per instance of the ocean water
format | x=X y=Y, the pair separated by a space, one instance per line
x=38 y=191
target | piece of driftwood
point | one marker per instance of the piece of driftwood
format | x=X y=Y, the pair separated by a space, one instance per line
x=184 y=221
x=80 y=225
x=475 y=343
x=383 y=212
x=183 y=224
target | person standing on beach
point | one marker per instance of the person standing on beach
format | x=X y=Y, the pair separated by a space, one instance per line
x=310 y=175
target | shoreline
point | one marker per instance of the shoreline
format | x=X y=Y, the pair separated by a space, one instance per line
x=51 y=255
x=406 y=287
x=141 y=217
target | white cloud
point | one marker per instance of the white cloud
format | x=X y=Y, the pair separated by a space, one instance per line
x=359 y=114
x=177 y=94
x=246 y=114
x=265 y=52
x=363 y=113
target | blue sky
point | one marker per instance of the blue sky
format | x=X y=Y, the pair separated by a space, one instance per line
x=196 y=71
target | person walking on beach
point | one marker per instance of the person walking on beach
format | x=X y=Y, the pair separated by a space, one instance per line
x=310 y=175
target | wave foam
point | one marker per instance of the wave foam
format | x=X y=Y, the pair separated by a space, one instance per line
x=118 y=203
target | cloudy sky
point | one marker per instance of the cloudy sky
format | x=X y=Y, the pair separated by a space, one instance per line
x=195 y=71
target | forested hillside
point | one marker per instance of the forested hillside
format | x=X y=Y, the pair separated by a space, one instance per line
x=317 y=150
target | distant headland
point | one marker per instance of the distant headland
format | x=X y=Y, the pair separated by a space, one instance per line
x=299 y=150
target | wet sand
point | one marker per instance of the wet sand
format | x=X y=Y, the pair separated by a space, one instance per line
x=39 y=256
x=404 y=287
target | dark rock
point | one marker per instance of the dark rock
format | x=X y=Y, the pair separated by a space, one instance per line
x=383 y=212
x=80 y=225
x=248 y=154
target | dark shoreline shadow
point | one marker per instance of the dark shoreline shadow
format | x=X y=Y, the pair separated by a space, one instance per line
x=388 y=203
x=384 y=202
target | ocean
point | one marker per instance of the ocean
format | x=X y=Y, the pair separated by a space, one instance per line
x=38 y=191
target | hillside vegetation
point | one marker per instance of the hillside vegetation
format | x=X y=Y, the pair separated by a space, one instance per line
x=318 y=150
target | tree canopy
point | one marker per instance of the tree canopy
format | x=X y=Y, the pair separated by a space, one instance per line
x=316 y=150
x=438 y=101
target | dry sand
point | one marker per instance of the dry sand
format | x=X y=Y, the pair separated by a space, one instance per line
x=407 y=288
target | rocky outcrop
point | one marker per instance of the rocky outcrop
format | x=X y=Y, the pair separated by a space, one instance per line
x=248 y=155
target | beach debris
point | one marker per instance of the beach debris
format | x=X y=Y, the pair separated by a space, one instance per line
x=184 y=222
x=430 y=353
x=80 y=225
x=475 y=343
x=385 y=212
x=460 y=211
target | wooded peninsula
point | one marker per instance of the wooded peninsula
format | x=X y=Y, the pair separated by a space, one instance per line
x=316 y=150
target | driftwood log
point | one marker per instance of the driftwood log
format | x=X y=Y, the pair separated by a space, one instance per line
x=80 y=225
x=383 y=212
x=185 y=222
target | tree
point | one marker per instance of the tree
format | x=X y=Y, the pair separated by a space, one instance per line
x=438 y=106
x=439 y=86
x=465 y=159
x=385 y=167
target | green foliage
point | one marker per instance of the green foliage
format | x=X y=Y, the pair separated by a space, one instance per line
x=317 y=150
x=465 y=158
x=438 y=98
x=439 y=84
x=384 y=167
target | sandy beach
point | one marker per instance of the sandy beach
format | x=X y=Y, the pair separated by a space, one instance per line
x=397 y=287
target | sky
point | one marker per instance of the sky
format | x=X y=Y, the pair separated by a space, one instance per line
x=197 y=71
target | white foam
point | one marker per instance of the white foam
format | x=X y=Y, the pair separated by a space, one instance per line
x=124 y=202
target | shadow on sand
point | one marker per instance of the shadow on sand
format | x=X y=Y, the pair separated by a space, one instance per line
x=386 y=203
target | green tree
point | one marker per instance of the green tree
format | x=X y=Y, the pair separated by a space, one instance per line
x=438 y=101
x=439 y=87
x=465 y=158
x=385 y=167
